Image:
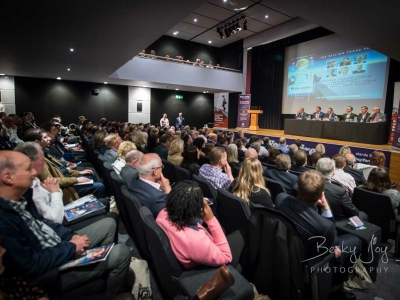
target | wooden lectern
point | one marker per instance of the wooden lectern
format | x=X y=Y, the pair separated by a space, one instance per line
x=254 y=119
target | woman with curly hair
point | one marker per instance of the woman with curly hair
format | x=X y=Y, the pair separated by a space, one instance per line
x=191 y=243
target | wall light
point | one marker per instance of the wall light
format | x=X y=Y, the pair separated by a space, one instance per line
x=58 y=78
x=210 y=42
x=105 y=82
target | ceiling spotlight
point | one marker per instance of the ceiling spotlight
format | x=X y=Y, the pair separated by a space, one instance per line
x=68 y=69
x=233 y=28
x=266 y=16
x=195 y=20
x=175 y=32
x=221 y=34
x=105 y=82
x=244 y=24
x=225 y=0
x=176 y=89
x=58 y=78
x=209 y=42
x=237 y=26
x=226 y=32
x=71 y=49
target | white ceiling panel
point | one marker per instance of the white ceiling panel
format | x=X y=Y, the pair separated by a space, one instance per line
x=214 y=12
x=271 y=4
x=233 y=5
x=186 y=27
x=201 y=21
x=259 y=12
x=217 y=42
x=181 y=34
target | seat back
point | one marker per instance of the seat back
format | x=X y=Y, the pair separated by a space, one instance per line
x=206 y=187
x=269 y=166
x=235 y=171
x=235 y=212
x=297 y=173
x=274 y=187
x=169 y=171
x=181 y=173
x=167 y=266
x=107 y=169
x=133 y=206
x=379 y=209
x=118 y=183
x=203 y=160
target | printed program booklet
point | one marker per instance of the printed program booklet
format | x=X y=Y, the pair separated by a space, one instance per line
x=82 y=207
x=90 y=256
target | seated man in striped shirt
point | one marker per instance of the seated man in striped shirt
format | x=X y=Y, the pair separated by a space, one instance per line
x=213 y=172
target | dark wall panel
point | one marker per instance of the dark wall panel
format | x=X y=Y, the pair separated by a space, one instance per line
x=233 y=109
x=231 y=56
x=197 y=108
x=70 y=99
x=189 y=50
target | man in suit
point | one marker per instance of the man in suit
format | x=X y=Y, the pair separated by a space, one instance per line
x=301 y=115
x=163 y=147
x=129 y=172
x=359 y=70
x=152 y=187
x=318 y=229
x=376 y=116
x=180 y=121
x=349 y=115
x=212 y=138
x=364 y=115
x=358 y=175
x=112 y=142
x=300 y=159
x=318 y=114
x=282 y=174
x=330 y=115
x=339 y=201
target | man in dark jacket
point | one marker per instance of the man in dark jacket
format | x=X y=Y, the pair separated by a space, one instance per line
x=300 y=159
x=35 y=246
x=358 y=175
x=129 y=172
x=163 y=147
x=282 y=174
x=319 y=231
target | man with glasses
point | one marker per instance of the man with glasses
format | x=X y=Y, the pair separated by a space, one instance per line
x=163 y=148
x=152 y=187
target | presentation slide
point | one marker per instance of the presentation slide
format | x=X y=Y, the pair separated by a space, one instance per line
x=333 y=72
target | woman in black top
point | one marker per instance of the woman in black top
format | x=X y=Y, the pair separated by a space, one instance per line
x=250 y=184
x=191 y=160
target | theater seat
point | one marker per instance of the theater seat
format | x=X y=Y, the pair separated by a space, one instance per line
x=169 y=171
x=274 y=187
x=181 y=173
x=174 y=279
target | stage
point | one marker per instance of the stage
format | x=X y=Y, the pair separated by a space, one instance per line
x=393 y=156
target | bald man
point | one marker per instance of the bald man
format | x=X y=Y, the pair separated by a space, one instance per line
x=151 y=188
x=252 y=153
x=376 y=116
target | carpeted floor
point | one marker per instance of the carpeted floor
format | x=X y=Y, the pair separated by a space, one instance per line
x=386 y=287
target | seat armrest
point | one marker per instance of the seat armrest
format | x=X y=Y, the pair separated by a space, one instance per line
x=191 y=281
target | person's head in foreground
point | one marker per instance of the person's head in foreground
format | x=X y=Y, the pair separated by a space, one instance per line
x=311 y=185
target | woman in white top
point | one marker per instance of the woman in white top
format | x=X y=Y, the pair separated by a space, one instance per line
x=164 y=121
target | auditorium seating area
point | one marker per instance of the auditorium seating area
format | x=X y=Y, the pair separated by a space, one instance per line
x=261 y=260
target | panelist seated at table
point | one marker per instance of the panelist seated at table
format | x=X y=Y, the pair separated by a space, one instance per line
x=364 y=115
x=330 y=115
x=349 y=115
x=318 y=114
x=376 y=116
x=301 y=115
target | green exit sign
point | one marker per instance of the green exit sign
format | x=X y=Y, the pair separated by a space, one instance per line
x=178 y=96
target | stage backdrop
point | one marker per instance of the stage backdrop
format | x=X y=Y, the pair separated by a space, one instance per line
x=221 y=104
x=243 y=119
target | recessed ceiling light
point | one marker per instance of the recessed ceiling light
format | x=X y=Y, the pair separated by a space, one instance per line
x=209 y=42
x=68 y=69
x=71 y=49
x=195 y=20
x=145 y=86
x=105 y=82
x=2 y=74
x=58 y=78
x=225 y=0
x=176 y=89
x=266 y=16
x=204 y=92
x=175 y=32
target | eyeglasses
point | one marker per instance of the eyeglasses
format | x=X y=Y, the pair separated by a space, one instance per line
x=162 y=167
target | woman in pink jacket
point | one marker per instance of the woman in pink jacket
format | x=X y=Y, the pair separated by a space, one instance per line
x=192 y=244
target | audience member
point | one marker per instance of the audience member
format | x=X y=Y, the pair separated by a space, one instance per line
x=282 y=175
x=320 y=148
x=300 y=161
x=379 y=182
x=152 y=142
x=232 y=155
x=213 y=172
x=344 y=150
x=98 y=141
x=123 y=149
x=199 y=142
x=316 y=229
x=252 y=153
x=292 y=149
x=341 y=177
x=164 y=145
x=266 y=144
x=207 y=148
x=273 y=154
x=112 y=142
x=314 y=158
x=298 y=143
x=377 y=160
x=282 y=146
x=358 y=175
x=250 y=184
x=129 y=171
x=152 y=187
x=191 y=160
x=175 y=152
x=339 y=200
x=191 y=243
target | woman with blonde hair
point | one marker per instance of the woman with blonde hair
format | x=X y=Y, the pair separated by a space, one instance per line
x=232 y=155
x=344 y=150
x=141 y=140
x=123 y=150
x=250 y=184
x=320 y=148
x=175 y=152
x=98 y=141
